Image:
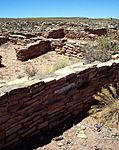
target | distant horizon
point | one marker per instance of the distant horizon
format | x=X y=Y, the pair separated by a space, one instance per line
x=56 y=17
x=59 y=8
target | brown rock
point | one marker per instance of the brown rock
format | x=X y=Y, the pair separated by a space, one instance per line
x=33 y=50
x=55 y=34
x=3 y=40
x=99 y=32
x=2 y=135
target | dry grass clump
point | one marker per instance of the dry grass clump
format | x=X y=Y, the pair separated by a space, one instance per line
x=46 y=69
x=59 y=63
x=107 y=111
x=30 y=70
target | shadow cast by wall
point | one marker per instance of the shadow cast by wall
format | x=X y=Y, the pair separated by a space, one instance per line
x=46 y=136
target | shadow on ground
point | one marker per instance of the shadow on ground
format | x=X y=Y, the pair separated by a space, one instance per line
x=46 y=136
x=2 y=66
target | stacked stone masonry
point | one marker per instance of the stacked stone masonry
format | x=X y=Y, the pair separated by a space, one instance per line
x=68 y=48
x=35 y=105
x=0 y=60
x=55 y=34
x=3 y=40
x=33 y=50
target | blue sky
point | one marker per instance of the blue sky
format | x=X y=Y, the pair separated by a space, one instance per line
x=59 y=8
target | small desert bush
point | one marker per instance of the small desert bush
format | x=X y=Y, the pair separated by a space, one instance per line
x=30 y=70
x=61 y=63
x=47 y=69
x=107 y=110
x=102 y=51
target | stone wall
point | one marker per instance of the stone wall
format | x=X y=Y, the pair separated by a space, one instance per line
x=69 y=48
x=55 y=34
x=99 y=32
x=0 y=60
x=75 y=34
x=80 y=35
x=31 y=106
x=3 y=40
x=33 y=50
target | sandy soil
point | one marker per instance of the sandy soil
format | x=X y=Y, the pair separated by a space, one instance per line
x=84 y=136
x=14 y=68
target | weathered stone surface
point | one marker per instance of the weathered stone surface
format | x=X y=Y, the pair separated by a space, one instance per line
x=55 y=34
x=0 y=60
x=33 y=50
x=3 y=40
x=75 y=34
x=116 y=56
x=99 y=32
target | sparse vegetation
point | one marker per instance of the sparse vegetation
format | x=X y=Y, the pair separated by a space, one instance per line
x=30 y=70
x=61 y=63
x=107 y=111
x=102 y=51
x=44 y=70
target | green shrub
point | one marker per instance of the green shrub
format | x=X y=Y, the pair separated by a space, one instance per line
x=100 y=52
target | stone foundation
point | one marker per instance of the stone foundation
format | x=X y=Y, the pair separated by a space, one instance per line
x=0 y=60
x=28 y=107
x=55 y=34
x=33 y=50
x=3 y=40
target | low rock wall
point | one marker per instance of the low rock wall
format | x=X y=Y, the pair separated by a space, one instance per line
x=33 y=50
x=29 y=107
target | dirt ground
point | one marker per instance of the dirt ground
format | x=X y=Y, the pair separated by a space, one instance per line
x=84 y=136
x=14 y=68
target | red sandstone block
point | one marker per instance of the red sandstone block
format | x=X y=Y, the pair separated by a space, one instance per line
x=3 y=110
x=59 y=82
x=50 y=83
x=37 y=118
x=42 y=125
x=33 y=50
x=13 y=129
x=3 y=40
x=27 y=124
x=42 y=94
x=31 y=108
x=12 y=143
x=55 y=110
x=10 y=137
x=56 y=105
x=10 y=122
x=55 y=115
x=17 y=92
x=35 y=123
x=65 y=89
x=2 y=135
x=28 y=133
x=55 y=34
x=37 y=87
x=92 y=74
x=32 y=101
x=4 y=119
x=13 y=108
x=70 y=76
